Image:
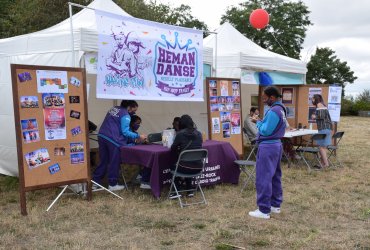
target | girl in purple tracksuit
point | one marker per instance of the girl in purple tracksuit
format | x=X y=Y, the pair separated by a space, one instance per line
x=268 y=172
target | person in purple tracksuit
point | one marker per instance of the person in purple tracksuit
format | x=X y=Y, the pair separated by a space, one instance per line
x=268 y=172
x=114 y=133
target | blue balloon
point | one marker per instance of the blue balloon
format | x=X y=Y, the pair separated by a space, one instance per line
x=265 y=79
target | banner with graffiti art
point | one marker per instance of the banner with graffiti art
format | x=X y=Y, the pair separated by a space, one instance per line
x=144 y=60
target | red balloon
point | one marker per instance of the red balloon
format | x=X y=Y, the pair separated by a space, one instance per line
x=259 y=18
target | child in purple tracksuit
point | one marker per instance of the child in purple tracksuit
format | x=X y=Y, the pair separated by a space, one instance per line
x=268 y=172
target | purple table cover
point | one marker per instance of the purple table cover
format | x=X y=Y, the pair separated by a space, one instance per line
x=220 y=167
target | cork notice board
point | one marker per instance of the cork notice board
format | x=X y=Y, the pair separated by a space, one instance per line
x=224 y=111
x=51 y=127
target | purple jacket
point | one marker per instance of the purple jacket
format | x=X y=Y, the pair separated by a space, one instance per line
x=276 y=116
x=111 y=126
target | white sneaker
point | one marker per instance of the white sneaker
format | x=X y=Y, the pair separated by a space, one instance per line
x=96 y=187
x=258 y=214
x=116 y=187
x=145 y=186
x=275 y=210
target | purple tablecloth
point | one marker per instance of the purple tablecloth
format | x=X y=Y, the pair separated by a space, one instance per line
x=220 y=167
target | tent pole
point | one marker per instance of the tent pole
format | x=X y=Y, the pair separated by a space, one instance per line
x=72 y=36
x=71 y=25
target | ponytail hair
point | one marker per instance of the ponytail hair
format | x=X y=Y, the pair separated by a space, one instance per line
x=272 y=91
x=317 y=99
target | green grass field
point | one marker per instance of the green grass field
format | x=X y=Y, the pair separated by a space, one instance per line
x=321 y=210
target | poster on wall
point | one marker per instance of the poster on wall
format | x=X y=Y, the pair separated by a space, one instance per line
x=215 y=125
x=311 y=115
x=311 y=92
x=145 y=60
x=287 y=94
x=334 y=102
x=54 y=116
x=52 y=81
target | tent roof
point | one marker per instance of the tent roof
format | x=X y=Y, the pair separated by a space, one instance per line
x=236 y=50
x=57 y=38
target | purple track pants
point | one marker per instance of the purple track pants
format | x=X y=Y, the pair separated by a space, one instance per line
x=110 y=160
x=268 y=176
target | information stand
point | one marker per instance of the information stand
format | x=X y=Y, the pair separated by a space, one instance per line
x=224 y=111
x=51 y=123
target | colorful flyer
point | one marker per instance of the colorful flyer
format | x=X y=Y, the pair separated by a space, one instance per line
x=75 y=131
x=77 y=158
x=24 y=77
x=29 y=102
x=59 y=151
x=75 y=81
x=235 y=124
x=235 y=87
x=226 y=129
x=31 y=136
x=214 y=107
x=225 y=116
x=29 y=124
x=74 y=99
x=50 y=81
x=212 y=83
x=37 y=158
x=213 y=99
x=54 y=168
x=75 y=114
x=224 y=86
x=53 y=100
x=215 y=125
x=212 y=92
x=55 y=124
x=76 y=147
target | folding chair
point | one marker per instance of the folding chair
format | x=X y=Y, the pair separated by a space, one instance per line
x=313 y=150
x=254 y=145
x=248 y=168
x=188 y=158
x=154 y=137
x=337 y=137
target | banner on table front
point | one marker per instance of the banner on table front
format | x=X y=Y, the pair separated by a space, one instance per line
x=145 y=60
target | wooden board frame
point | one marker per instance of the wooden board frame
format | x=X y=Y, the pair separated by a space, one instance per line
x=58 y=169
x=236 y=140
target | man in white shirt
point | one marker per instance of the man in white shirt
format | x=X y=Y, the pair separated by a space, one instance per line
x=250 y=123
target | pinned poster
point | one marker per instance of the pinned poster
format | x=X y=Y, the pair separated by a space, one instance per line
x=50 y=81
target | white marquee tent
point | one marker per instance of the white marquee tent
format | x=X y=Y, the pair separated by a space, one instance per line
x=236 y=52
x=52 y=47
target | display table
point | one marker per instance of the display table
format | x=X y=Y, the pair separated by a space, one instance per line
x=220 y=167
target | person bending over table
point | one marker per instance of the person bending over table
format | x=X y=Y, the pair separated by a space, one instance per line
x=187 y=138
x=324 y=126
x=268 y=172
x=114 y=133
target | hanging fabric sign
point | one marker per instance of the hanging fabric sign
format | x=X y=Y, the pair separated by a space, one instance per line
x=144 y=60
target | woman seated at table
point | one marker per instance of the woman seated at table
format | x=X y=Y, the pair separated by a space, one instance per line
x=187 y=138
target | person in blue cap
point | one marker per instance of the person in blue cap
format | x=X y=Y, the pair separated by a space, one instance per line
x=268 y=171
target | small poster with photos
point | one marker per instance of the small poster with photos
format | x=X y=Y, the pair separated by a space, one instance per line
x=29 y=102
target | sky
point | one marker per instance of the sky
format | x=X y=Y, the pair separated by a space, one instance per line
x=341 y=25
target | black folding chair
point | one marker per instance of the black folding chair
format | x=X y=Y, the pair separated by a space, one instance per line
x=311 y=150
x=332 y=157
x=194 y=159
